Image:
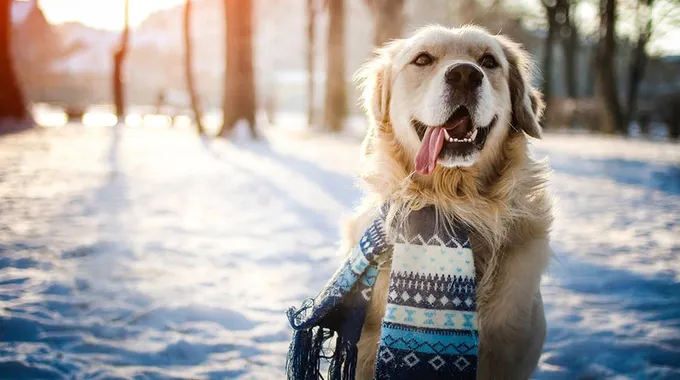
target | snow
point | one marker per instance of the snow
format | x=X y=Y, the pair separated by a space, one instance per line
x=147 y=252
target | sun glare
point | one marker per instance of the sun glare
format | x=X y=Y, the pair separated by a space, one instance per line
x=101 y=14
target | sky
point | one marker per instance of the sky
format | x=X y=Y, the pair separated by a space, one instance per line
x=108 y=14
x=102 y=14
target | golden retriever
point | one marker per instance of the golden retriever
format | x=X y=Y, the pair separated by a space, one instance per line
x=450 y=112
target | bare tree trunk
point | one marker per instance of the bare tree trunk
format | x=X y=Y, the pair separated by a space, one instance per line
x=570 y=46
x=239 y=82
x=195 y=102
x=671 y=115
x=637 y=72
x=605 y=87
x=674 y=129
x=311 y=38
x=548 y=59
x=118 y=60
x=638 y=64
x=336 y=92
x=12 y=104
x=388 y=16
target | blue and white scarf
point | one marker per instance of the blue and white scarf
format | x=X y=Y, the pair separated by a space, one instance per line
x=429 y=330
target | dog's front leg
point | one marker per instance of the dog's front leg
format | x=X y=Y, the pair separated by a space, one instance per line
x=512 y=320
x=370 y=334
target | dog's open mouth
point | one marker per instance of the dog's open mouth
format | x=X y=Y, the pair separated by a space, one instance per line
x=457 y=137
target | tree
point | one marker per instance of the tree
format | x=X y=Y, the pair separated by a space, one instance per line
x=12 y=103
x=388 y=17
x=239 y=84
x=311 y=26
x=559 y=14
x=336 y=92
x=551 y=13
x=570 y=46
x=118 y=60
x=605 y=81
x=671 y=115
x=195 y=103
x=639 y=58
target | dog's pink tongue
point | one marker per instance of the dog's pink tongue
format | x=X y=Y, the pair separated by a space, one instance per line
x=426 y=159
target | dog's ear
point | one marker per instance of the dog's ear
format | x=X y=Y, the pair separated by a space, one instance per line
x=375 y=81
x=527 y=102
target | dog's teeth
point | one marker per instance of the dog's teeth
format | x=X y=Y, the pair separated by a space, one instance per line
x=474 y=134
x=446 y=133
x=450 y=139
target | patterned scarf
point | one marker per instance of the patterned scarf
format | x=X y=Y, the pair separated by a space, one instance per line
x=429 y=330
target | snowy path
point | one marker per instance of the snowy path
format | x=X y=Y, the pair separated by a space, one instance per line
x=150 y=254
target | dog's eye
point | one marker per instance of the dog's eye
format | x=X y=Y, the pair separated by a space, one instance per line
x=423 y=59
x=488 y=61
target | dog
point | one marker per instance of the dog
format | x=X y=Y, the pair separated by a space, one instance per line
x=451 y=112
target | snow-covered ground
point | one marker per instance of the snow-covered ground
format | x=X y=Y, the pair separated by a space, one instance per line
x=148 y=253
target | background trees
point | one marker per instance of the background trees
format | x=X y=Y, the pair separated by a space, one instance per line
x=604 y=76
x=388 y=19
x=118 y=61
x=561 y=28
x=239 y=83
x=311 y=40
x=336 y=92
x=606 y=86
x=189 y=73
x=11 y=97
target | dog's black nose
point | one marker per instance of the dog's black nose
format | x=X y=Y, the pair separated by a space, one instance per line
x=464 y=76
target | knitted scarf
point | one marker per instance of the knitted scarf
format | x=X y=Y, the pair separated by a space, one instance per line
x=429 y=330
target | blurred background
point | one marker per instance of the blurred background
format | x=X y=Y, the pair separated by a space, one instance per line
x=173 y=174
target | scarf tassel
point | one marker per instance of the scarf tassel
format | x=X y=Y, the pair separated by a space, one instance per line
x=344 y=361
x=307 y=349
x=305 y=353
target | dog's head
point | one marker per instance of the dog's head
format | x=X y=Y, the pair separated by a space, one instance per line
x=449 y=96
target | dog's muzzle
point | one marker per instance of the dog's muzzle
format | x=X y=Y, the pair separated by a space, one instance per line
x=463 y=82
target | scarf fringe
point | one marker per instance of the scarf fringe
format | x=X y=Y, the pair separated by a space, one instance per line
x=304 y=355
x=344 y=361
x=306 y=350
